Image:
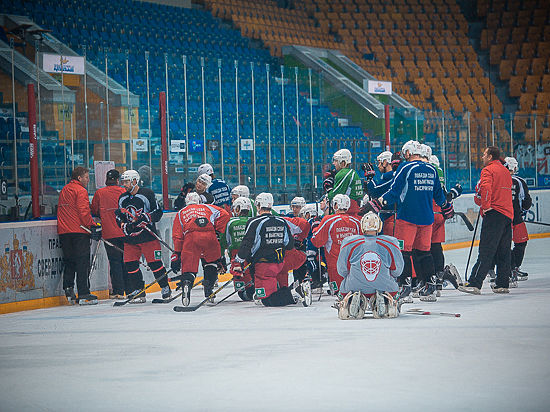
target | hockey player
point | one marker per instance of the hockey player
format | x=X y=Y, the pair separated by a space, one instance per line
x=72 y=212
x=315 y=265
x=244 y=191
x=346 y=181
x=202 y=184
x=376 y=189
x=136 y=215
x=331 y=232
x=194 y=236
x=415 y=186
x=369 y=265
x=522 y=202
x=218 y=189
x=295 y=259
x=265 y=243
x=234 y=234
x=296 y=204
x=104 y=204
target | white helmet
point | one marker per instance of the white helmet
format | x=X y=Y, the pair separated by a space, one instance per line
x=298 y=201
x=371 y=222
x=511 y=164
x=264 y=200
x=341 y=202
x=426 y=151
x=384 y=156
x=240 y=191
x=342 y=155
x=413 y=147
x=243 y=203
x=434 y=160
x=312 y=210
x=192 y=198
x=206 y=179
x=129 y=175
x=365 y=200
x=205 y=168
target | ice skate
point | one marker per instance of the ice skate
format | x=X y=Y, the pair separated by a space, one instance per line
x=521 y=276
x=466 y=288
x=404 y=295
x=166 y=292
x=450 y=274
x=428 y=292
x=116 y=296
x=87 y=299
x=70 y=295
x=140 y=296
x=499 y=290
x=186 y=286
x=303 y=293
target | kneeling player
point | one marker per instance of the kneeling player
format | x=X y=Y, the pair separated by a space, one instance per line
x=370 y=265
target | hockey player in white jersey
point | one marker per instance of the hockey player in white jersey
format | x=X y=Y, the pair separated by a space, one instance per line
x=370 y=265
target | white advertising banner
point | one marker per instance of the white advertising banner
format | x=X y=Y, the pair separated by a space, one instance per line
x=379 y=87
x=177 y=146
x=52 y=63
x=101 y=167
x=140 y=145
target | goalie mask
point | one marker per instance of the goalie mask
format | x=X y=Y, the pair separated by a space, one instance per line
x=371 y=222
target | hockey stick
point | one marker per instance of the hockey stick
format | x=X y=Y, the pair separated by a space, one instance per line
x=538 y=223
x=243 y=287
x=465 y=220
x=421 y=312
x=472 y=245
x=173 y=298
x=206 y=299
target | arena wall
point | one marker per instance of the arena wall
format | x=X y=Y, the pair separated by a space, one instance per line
x=31 y=263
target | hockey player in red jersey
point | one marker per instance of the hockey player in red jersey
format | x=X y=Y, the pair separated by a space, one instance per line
x=136 y=215
x=330 y=233
x=194 y=236
x=295 y=259
x=265 y=244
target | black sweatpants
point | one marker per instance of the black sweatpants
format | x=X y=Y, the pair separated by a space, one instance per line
x=494 y=247
x=117 y=270
x=517 y=254
x=76 y=257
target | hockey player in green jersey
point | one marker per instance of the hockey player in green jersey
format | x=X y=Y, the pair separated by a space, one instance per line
x=346 y=181
x=234 y=234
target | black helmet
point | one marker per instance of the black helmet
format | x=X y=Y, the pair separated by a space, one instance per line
x=112 y=174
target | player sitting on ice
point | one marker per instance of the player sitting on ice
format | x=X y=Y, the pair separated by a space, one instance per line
x=194 y=236
x=234 y=234
x=264 y=245
x=370 y=264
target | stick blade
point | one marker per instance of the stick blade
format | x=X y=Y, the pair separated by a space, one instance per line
x=121 y=303
x=185 y=308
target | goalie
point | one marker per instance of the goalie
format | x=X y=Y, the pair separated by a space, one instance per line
x=370 y=265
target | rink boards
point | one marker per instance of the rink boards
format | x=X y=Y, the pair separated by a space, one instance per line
x=31 y=263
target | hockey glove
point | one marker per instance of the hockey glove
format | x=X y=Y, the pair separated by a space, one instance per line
x=96 y=232
x=447 y=210
x=454 y=192
x=396 y=160
x=374 y=205
x=236 y=268
x=175 y=262
x=328 y=183
x=369 y=171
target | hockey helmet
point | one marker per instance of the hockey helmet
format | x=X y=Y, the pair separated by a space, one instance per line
x=298 y=201
x=342 y=155
x=434 y=160
x=312 y=210
x=241 y=203
x=384 y=156
x=264 y=201
x=512 y=164
x=205 y=168
x=426 y=151
x=112 y=174
x=240 y=191
x=341 y=202
x=371 y=222
x=413 y=147
x=192 y=198
x=129 y=175
x=205 y=179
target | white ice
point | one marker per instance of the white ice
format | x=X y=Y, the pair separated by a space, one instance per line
x=238 y=356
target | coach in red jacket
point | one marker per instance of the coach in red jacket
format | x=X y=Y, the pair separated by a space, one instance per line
x=104 y=204
x=73 y=210
x=494 y=198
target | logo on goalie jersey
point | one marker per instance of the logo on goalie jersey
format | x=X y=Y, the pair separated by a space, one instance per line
x=370 y=265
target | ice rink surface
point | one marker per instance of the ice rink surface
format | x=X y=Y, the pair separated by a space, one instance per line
x=238 y=356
